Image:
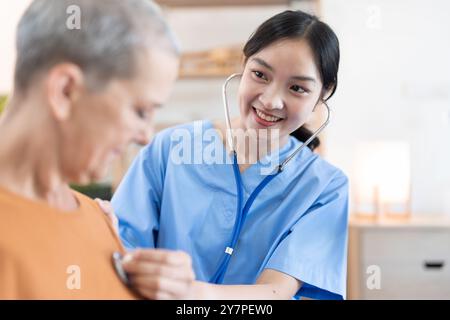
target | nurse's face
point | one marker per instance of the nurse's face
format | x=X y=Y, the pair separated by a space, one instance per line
x=280 y=87
x=104 y=123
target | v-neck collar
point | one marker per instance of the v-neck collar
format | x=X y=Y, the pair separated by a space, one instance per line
x=253 y=175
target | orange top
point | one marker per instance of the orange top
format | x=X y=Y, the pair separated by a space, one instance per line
x=46 y=253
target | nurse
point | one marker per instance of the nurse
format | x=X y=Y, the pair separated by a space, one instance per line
x=293 y=241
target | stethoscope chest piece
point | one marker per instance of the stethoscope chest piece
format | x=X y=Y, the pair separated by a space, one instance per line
x=117 y=263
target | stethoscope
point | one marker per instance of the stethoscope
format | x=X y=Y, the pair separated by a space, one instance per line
x=241 y=208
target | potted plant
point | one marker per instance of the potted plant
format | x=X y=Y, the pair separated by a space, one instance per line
x=95 y=190
x=2 y=102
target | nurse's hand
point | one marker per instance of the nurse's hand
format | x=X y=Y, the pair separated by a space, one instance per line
x=160 y=274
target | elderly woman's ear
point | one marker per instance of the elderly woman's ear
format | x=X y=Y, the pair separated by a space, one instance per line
x=63 y=85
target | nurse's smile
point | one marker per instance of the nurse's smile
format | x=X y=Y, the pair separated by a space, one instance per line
x=265 y=119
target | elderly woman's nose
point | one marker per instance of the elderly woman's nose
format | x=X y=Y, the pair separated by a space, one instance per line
x=143 y=134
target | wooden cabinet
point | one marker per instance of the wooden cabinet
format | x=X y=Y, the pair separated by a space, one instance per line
x=410 y=258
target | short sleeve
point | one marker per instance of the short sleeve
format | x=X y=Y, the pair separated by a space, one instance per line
x=137 y=200
x=314 y=250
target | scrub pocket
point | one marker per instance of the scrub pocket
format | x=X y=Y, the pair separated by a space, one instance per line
x=220 y=216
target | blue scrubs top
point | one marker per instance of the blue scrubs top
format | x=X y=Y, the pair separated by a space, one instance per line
x=297 y=225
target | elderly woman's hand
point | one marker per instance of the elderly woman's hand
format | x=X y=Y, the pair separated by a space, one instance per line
x=109 y=211
x=155 y=273
x=160 y=274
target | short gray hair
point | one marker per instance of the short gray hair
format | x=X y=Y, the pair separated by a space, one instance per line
x=105 y=46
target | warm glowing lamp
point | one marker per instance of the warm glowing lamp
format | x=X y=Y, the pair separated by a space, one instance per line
x=382 y=179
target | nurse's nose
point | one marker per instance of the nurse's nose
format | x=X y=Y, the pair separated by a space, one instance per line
x=272 y=98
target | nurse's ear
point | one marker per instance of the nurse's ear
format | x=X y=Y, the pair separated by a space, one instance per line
x=63 y=86
x=324 y=96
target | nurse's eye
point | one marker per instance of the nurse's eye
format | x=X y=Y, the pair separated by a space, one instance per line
x=260 y=75
x=298 y=89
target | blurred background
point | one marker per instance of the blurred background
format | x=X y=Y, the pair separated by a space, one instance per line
x=390 y=128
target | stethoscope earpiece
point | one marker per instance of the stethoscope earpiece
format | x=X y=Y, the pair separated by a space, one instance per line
x=230 y=140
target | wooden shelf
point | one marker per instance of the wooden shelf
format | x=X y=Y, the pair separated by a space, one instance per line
x=217 y=62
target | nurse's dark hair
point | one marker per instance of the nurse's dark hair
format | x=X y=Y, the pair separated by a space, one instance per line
x=320 y=37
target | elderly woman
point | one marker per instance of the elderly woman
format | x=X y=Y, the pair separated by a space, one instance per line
x=82 y=94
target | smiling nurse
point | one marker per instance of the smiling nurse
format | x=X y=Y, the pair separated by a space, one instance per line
x=293 y=239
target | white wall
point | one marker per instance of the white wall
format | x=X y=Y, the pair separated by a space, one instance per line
x=395 y=84
x=10 y=12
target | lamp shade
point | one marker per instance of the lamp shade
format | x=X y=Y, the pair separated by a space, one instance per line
x=382 y=177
